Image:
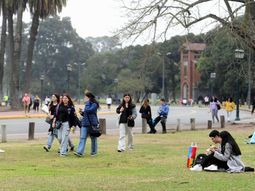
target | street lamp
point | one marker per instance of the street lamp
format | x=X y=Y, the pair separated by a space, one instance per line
x=239 y=54
x=79 y=80
x=69 y=69
x=42 y=79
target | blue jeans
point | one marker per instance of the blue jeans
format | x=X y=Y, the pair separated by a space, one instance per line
x=52 y=134
x=63 y=134
x=82 y=143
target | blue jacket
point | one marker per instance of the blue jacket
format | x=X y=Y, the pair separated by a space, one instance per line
x=90 y=114
x=163 y=110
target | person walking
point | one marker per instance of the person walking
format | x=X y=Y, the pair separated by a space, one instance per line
x=214 y=106
x=109 y=102
x=26 y=101
x=65 y=119
x=89 y=118
x=127 y=111
x=36 y=103
x=145 y=111
x=162 y=115
x=229 y=106
x=53 y=132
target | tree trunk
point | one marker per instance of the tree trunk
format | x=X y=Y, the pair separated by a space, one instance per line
x=30 y=49
x=2 y=48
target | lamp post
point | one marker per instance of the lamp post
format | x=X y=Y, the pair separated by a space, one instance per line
x=42 y=79
x=239 y=54
x=212 y=76
x=79 y=80
x=69 y=69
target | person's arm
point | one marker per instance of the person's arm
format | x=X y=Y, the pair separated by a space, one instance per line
x=134 y=113
x=119 y=109
x=226 y=155
x=89 y=108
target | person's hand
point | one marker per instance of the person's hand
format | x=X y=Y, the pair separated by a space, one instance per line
x=121 y=109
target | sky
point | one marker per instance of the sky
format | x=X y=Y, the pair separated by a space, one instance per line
x=94 y=17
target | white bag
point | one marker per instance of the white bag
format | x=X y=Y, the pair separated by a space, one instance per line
x=45 y=109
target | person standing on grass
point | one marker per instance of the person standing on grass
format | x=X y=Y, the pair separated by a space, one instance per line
x=66 y=116
x=53 y=132
x=89 y=118
x=127 y=111
x=145 y=111
x=162 y=115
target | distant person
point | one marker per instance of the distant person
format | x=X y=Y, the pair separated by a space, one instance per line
x=47 y=100
x=229 y=106
x=145 y=111
x=206 y=101
x=6 y=100
x=214 y=104
x=162 y=115
x=36 y=103
x=226 y=157
x=109 y=102
x=127 y=111
x=26 y=101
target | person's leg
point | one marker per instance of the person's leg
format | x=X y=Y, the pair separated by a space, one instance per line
x=156 y=120
x=213 y=115
x=130 y=137
x=152 y=128
x=122 y=129
x=83 y=137
x=210 y=159
x=216 y=115
x=93 y=146
x=50 y=140
x=163 y=123
x=70 y=143
x=64 y=141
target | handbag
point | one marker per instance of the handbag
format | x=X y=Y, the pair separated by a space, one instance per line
x=131 y=123
x=77 y=121
x=94 y=130
x=48 y=120
x=58 y=124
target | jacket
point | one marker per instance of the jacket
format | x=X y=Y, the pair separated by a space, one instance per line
x=229 y=106
x=126 y=113
x=163 y=110
x=233 y=161
x=146 y=112
x=90 y=114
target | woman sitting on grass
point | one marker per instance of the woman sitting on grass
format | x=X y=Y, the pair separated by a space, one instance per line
x=226 y=157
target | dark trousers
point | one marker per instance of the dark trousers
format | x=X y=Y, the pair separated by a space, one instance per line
x=210 y=159
x=151 y=125
x=162 y=121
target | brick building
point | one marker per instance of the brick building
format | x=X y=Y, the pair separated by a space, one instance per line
x=190 y=53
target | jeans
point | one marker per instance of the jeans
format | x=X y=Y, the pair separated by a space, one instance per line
x=210 y=159
x=82 y=143
x=52 y=134
x=63 y=134
x=124 y=129
x=162 y=121
x=215 y=114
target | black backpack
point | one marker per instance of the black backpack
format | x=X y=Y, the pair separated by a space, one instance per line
x=200 y=159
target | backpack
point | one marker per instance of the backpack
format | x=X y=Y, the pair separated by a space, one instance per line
x=200 y=159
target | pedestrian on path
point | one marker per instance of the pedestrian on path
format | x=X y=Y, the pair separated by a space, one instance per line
x=26 y=101
x=214 y=107
x=229 y=106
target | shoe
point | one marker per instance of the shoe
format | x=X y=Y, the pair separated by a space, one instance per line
x=93 y=155
x=72 y=148
x=77 y=154
x=211 y=168
x=197 y=167
x=2 y=151
x=120 y=150
x=150 y=132
x=62 y=155
x=46 y=148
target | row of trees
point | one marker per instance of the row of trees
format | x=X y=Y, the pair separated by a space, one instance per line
x=10 y=9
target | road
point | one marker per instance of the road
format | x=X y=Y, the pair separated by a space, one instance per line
x=19 y=127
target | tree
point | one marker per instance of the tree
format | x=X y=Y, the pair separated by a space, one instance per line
x=39 y=9
x=148 y=15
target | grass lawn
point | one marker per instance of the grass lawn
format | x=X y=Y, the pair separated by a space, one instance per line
x=158 y=162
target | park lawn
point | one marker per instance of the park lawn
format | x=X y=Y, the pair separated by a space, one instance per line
x=158 y=162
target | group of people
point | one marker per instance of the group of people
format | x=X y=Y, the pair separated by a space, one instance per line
x=63 y=117
x=225 y=157
x=28 y=101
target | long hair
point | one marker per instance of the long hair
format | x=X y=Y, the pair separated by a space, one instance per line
x=92 y=98
x=227 y=138
x=70 y=101
x=58 y=100
x=123 y=101
x=146 y=103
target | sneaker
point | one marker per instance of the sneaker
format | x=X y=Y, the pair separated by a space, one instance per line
x=211 y=168
x=46 y=148
x=197 y=167
x=2 y=151
x=93 y=155
x=120 y=150
x=78 y=154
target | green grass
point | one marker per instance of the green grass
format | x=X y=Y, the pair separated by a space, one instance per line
x=158 y=162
